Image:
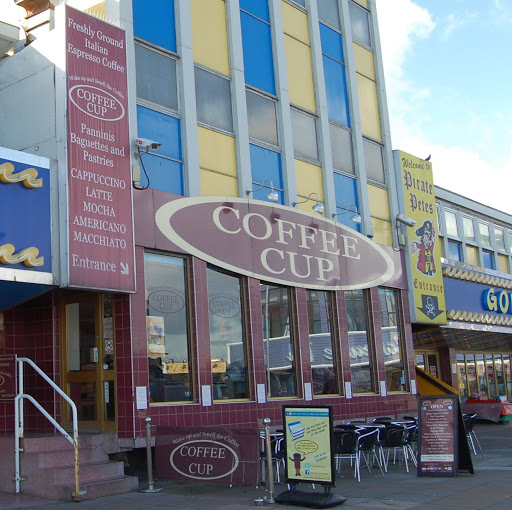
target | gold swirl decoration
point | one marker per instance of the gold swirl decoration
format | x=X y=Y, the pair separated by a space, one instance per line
x=28 y=176
x=481 y=318
x=473 y=276
x=29 y=256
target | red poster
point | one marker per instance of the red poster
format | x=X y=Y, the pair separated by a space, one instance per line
x=100 y=228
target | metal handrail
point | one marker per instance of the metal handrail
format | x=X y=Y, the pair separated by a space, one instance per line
x=19 y=428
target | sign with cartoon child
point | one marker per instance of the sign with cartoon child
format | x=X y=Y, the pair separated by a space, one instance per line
x=308 y=445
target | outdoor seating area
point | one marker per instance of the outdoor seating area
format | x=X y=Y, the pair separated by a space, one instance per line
x=358 y=445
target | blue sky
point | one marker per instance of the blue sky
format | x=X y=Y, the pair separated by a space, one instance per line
x=448 y=75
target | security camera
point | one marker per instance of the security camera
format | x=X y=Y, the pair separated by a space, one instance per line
x=144 y=143
x=403 y=218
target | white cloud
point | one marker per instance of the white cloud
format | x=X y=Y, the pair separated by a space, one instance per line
x=459 y=169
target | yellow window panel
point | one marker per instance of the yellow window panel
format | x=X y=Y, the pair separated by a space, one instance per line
x=209 y=34
x=97 y=10
x=300 y=74
x=503 y=263
x=369 y=107
x=295 y=22
x=309 y=179
x=364 y=61
x=379 y=202
x=364 y=3
x=382 y=232
x=472 y=254
x=218 y=185
x=216 y=151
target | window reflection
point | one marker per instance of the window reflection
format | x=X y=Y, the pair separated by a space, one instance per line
x=227 y=342
x=170 y=377
x=321 y=343
x=278 y=344
x=361 y=355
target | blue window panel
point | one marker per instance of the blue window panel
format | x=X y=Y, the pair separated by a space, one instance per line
x=487 y=259
x=454 y=251
x=161 y=128
x=158 y=29
x=266 y=164
x=332 y=43
x=345 y=191
x=336 y=90
x=162 y=174
x=257 y=49
x=258 y=8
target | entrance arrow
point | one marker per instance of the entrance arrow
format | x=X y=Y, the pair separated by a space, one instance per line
x=125 y=268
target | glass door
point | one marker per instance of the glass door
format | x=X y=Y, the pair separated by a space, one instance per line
x=88 y=368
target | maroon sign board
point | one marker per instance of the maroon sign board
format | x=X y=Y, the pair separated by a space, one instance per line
x=438 y=440
x=274 y=243
x=7 y=378
x=100 y=217
x=207 y=454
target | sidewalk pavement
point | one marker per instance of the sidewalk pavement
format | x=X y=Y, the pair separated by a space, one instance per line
x=489 y=488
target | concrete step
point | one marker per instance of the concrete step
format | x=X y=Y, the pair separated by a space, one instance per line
x=98 y=489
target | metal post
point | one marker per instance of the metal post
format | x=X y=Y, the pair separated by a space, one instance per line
x=149 y=459
x=270 y=474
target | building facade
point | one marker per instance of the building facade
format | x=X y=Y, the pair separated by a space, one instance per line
x=223 y=207
x=472 y=351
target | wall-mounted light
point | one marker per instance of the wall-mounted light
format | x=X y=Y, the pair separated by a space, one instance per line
x=356 y=217
x=272 y=195
x=318 y=207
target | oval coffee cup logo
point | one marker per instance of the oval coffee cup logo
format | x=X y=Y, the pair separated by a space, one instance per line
x=274 y=243
x=96 y=102
x=204 y=459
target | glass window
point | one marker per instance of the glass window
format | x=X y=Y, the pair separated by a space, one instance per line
x=213 y=99
x=321 y=343
x=500 y=239
x=480 y=373
x=373 y=159
x=278 y=344
x=462 y=377
x=472 y=385
x=485 y=236
x=454 y=251
x=341 y=149
x=261 y=115
x=257 y=48
x=156 y=77
x=345 y=190
x=169 y=349
x=506 y=371
x=451 y=223
x=227 y=339
x=304 y=134
x=328 y=12
x=361 y=355
x=162 y=170
x=159 y=30
x=491 y=376
x=336 y=90
x=359 y=24
x=488 y=259
x=469 y=229
x=500 y=375
x=392 y=340
x=302 y=3
x=420 y=361
x=266 y=164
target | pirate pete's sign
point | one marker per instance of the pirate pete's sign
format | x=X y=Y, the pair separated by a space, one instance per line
x=274 y=243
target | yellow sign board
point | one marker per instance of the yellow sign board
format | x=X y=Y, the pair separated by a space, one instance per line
x=309 y=455
x=424 y=248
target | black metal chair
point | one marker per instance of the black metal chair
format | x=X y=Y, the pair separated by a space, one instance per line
x=345 y=445
x=367 y=446
x=469 y=422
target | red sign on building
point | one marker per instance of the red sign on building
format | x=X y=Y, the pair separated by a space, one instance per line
x=100 y=226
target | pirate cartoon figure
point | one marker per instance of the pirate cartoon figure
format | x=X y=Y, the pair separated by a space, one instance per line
x=297 y=460
x=427 y=235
